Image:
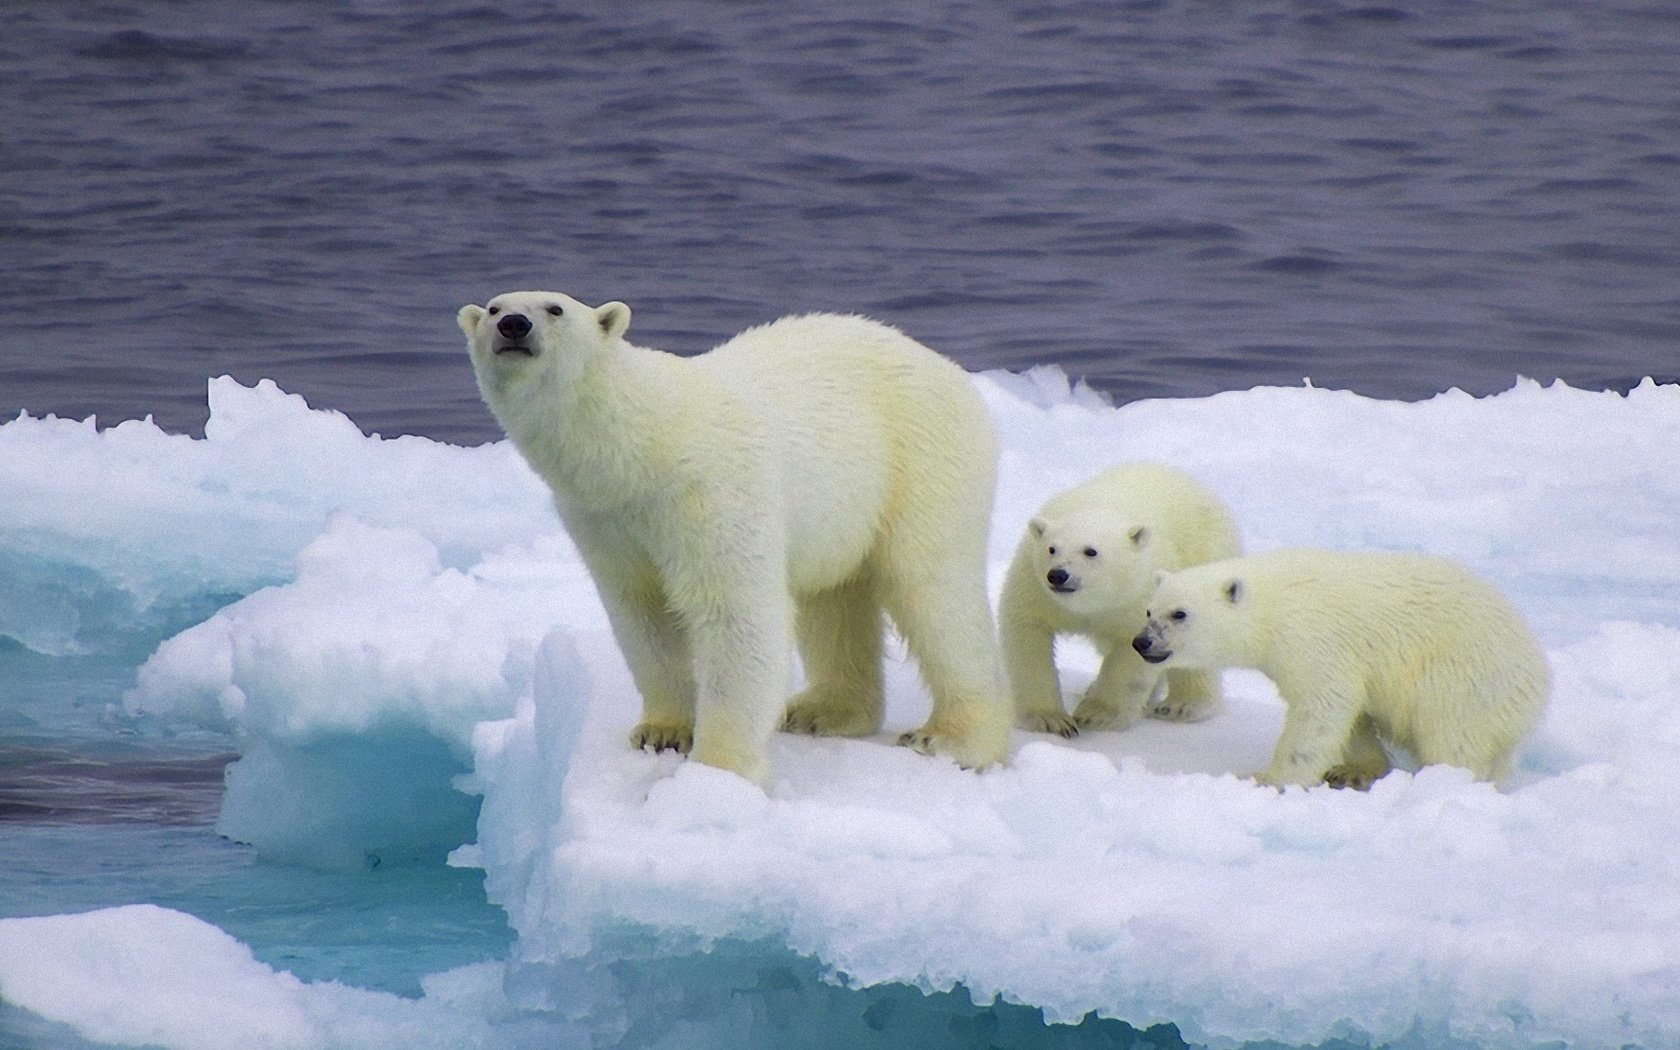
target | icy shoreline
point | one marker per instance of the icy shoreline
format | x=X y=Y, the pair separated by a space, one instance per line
x=416 y=625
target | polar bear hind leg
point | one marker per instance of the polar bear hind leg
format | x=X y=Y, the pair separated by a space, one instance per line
x=839 y=634
x=937 y=600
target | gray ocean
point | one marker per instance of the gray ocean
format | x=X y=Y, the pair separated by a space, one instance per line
x=1168 y=197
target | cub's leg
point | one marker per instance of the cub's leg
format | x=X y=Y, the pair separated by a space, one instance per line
x=1029 y=657
x=1316 y=731
x=1364 y=762
x=1121 y=692
x=1192 y=695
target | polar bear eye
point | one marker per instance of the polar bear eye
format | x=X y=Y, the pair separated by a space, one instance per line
x=555 y=311
x=1052 y=550
x=1180 y=615
x=1090 y=552
x=493 y=311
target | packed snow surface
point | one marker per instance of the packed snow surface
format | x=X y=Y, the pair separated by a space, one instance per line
x=415 y=629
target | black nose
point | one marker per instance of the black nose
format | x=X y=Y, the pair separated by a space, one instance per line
x=1056 y=577
x=1142 y=644
x=514 y=326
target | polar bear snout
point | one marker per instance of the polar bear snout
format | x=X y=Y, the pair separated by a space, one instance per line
x=1060 y=581
x=511 y=331
x=1145 y=647
x=514 y=326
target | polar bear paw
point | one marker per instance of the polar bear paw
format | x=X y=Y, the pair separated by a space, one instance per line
x=663 y=736
x=1099 y=714
x=967 y=753
x=1189 y=709
x=1056 y=722
x=819 y=712
x=1355 y=777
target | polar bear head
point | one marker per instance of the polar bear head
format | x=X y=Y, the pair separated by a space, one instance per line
x=1091 y=564
x=519 y=338
x=1201 y=617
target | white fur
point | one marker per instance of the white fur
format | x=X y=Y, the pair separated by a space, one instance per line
x=1110 y=535
x=828 y=459
x=1364 y=647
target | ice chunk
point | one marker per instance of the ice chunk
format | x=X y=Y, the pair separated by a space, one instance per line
x=144 y=975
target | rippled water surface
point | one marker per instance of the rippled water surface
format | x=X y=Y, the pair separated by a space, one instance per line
x=1170 y=198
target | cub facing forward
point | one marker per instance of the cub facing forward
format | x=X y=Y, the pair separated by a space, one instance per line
x=1086 y=566
x=795 y=481
x=1363 y=647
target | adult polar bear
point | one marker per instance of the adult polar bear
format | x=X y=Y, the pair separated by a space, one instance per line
x=824 y=458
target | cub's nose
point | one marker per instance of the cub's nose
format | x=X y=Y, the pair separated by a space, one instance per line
x=1056 y=577
x=514 y=326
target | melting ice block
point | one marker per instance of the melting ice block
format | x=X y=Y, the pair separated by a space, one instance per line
x=1130 y=874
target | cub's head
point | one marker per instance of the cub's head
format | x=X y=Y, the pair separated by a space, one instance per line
x=1200 y=617
x=1090 y=564
x=520 y=335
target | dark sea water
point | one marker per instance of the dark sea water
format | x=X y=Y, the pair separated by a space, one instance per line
x=1169 y=198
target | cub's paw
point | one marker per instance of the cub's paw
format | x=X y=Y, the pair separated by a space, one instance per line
x=967 y=753
x=1189 y=709
x=1352 y=777
x=1056 y=722
x=817 y=714
x=662 y=736
x=1090 y=716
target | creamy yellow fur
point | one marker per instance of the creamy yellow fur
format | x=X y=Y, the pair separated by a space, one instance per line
x=1137 y=518
x=1364 y=647
x=794 y=482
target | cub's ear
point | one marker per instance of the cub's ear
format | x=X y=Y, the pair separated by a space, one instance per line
x=614 y=319
x=468 y=317
x=1234 y=591
x=1139 y=536
x=1037 y=527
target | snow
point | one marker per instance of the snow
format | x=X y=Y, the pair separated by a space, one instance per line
x=416 y=633
x=144 y=975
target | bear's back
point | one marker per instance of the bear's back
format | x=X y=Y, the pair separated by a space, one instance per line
x=1396 y=606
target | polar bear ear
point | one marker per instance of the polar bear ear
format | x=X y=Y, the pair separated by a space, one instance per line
x=468 y=317
x=614 y=319
x=1139 y=536
x=1234 y=591
x=1037 y=527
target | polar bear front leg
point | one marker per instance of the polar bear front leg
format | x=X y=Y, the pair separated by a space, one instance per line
x=740 y=671
x=1121 y=693
x=1029 y=660
x=655 y=646
x=1364 y=762
x=1027 y=645
x=733 y=598
x=1316 y=731
x=1191 y=695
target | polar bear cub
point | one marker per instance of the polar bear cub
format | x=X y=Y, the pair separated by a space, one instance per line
x=1086 y=565
x=1364 y=647
x=794 y=482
